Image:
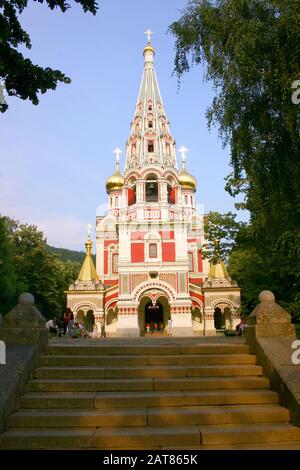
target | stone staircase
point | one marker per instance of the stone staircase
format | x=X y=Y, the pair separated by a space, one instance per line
x=149 y=394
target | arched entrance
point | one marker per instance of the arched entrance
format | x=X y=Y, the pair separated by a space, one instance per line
x=154 y=317
x=223 y=316
x=153 y=314
x=89 y=320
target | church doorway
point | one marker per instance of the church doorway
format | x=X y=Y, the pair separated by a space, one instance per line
x=154 y=318
x=90 y=320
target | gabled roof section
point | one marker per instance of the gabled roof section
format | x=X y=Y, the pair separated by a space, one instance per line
x=88 y=270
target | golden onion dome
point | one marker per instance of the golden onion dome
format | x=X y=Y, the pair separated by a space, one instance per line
x=186 y=180
x=149 y=48
x=116 y=181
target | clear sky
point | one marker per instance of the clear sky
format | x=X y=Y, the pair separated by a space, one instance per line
x=55 y=157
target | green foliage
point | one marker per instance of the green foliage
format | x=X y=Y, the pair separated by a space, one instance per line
x=30 y=267
x=7 y=271
x=251 y=50
x=65 y=255
x=21 y=77
x=221 y=227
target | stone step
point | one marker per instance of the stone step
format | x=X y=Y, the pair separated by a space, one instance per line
x=78 y=418
x=216 y=415
x=95 y=385
x=103 y=438
x=164 y=416
x=73 y=372
x=45 y=439
x=88 y=400
x=202 y=359
x=156 y=360
x=188 y=383
x=151 y=437
x=248 y=433
x=66 y=400
x=162 y=350
x=282 y=445
x=211 y=383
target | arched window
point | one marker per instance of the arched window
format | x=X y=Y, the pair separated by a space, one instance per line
x=150 y=146
x=152 y=250
x=133 y=149
x=150 y=107
x=117 y=201
x=171 y=195
x=137 y=126
x=131 y=192
x=150 y=124
x=186 y=201
x=151 y=189
x=168 y=148
x=152 y=246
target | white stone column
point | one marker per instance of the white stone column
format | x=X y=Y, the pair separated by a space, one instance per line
x=139 y=192
x=100 y=256
x=124 y=244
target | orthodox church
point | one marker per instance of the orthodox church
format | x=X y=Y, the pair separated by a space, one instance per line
x=149 y=263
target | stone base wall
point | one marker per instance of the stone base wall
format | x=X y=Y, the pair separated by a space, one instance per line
x=21 y=360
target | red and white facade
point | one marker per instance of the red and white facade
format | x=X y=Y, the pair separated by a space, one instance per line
x=149 y=246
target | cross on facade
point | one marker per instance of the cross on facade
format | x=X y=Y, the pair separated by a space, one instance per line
x=183 y=151
x=149 y=32
x=117 y=152
x=89 y=227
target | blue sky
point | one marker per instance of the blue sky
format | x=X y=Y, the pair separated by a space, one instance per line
x=55 y=157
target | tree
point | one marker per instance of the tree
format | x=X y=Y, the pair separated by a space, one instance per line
x=221 y=227
x=8 y=278
x=251 y=50
x=252 y=53
x=21 y=77
x=39 y=272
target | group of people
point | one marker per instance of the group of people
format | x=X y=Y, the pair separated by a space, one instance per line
x=72 y=328
x=154 y=327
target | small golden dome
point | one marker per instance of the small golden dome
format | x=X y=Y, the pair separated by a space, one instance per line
x=116 y=181
x=149 y=48
x=186 y=180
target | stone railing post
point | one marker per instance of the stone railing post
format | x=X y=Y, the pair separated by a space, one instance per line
x=268 y=319
x=24 y=324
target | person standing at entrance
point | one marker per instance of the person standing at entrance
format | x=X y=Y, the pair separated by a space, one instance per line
x=170 y=325
x=66 y=317
x=71 y=324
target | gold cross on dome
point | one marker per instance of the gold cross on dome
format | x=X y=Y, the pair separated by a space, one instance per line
x=183 y=151
x=117 y=153
x=148 y=33
x=89 y=227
